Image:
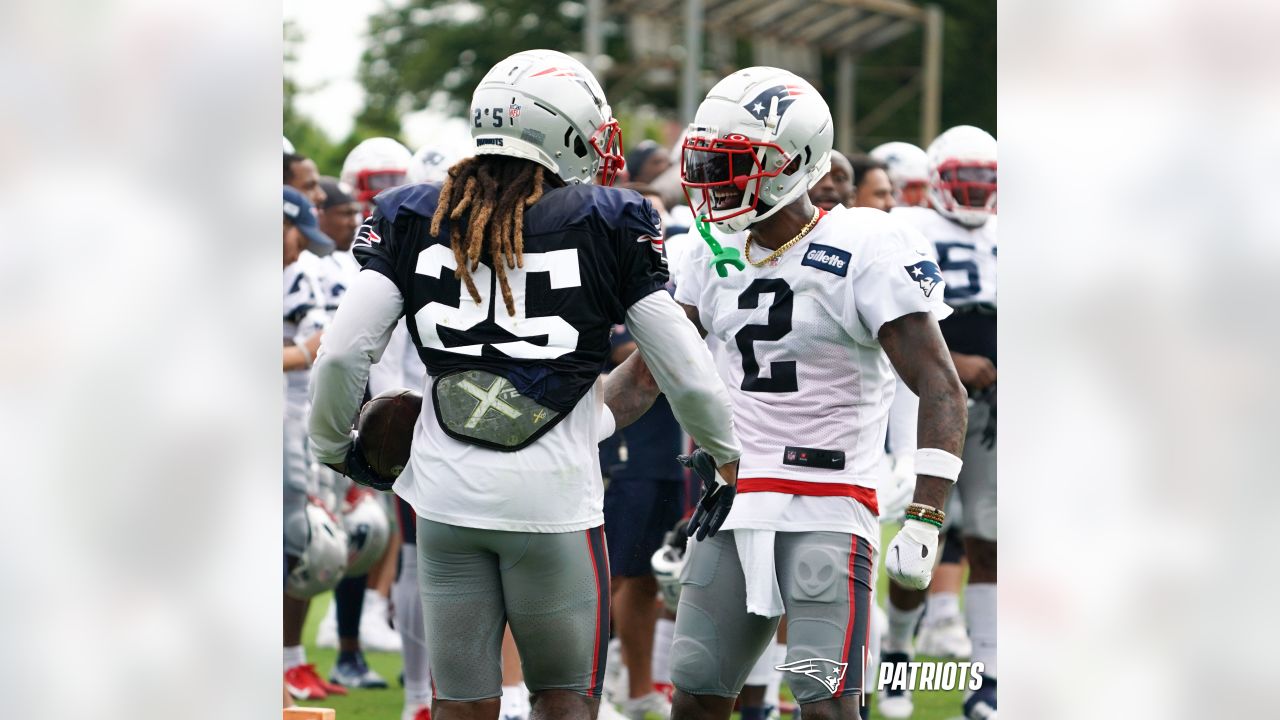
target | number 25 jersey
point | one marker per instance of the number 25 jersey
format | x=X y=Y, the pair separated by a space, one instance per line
x=796 y=343
x=588 y=256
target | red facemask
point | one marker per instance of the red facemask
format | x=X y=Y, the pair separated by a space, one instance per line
x=721 y=170
x=607 y=143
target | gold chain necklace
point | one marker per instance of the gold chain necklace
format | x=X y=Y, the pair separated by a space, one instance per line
x=817 y=213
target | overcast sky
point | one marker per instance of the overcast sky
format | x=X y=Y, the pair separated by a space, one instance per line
x=333 y=39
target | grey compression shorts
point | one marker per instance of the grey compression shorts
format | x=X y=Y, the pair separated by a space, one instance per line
x=825 y=578
x=977 y=482
x=552 y=588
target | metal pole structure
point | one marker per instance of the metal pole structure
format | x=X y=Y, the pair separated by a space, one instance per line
x=931 y=90
x=846 y=92
x=592 y=42
x=689 y=94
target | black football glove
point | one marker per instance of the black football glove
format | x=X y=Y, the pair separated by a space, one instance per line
x=717 y=497
x=361 y=473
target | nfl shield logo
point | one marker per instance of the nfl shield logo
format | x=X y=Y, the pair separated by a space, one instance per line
x=513 y=112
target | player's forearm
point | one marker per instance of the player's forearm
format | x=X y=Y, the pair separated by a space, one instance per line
x=295 y=358
x=683 y=369
x=629 y=391
x=941 y=424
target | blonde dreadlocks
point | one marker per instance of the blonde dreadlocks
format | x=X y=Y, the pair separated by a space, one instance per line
x=491 y=193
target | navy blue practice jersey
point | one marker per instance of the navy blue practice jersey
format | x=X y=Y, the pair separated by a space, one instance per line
x=589 y=253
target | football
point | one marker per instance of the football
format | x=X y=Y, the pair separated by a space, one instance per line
x=385 y=427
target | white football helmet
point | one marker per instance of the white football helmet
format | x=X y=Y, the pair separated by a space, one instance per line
x=908 y=171
x=373 y=166
x=737 y=160
x=288 y=147
x=962 y=175
x=544 y=106
x=668 y=563
x=431 y=164
x=324 y=562
x=368 y=531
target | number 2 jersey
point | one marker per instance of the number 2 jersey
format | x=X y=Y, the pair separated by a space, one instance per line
x=796 y=344
x=587 y=257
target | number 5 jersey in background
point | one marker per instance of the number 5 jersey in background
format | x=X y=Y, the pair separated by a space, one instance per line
x=796 y=344
x=589 y=254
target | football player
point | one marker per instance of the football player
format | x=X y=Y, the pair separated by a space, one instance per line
x=352 y=620
x=961 y=224
x=908 y=172
x=375 y=165
x=309 y=572
x=511 y=275
x=808 y=335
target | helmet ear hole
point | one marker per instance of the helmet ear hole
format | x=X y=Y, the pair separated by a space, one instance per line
x=793 y=166
x=579 y=147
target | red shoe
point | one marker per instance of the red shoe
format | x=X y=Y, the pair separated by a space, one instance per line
x=423 y=714
x=303 y=683
x=329 y=687
x=667 y=689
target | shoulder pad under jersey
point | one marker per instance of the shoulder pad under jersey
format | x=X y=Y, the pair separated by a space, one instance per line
x=418 y=198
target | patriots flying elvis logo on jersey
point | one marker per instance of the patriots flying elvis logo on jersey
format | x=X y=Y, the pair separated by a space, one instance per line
x=927 y=274
x=786 y=94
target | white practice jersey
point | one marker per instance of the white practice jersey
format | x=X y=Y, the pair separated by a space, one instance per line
x=304 y=316
x=334 y=273
x=796 y=344
x=967 y=256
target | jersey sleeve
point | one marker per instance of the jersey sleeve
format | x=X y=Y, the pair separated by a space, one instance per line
x=898 y=281
x=688 y=269
x=377 y=248
x=642 y=261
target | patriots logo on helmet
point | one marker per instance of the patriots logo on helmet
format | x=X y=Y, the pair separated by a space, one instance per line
x=828 y=672
x=786 y=94
x=366 y=236
x=927 y=274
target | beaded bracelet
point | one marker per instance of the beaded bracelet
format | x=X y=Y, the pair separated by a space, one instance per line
x=924 y=513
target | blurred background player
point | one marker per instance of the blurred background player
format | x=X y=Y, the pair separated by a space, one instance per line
x=644 y=498
x=314 y=544
x=514 y=537
x=908 y=171
x=961 y=225
x=835 y=189
x=357 y=617
x=375 y=165
x=871 y=186
x=300 y=173
x=646 y=161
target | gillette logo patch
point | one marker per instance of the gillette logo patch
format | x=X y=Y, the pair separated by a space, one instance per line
x=825 y=257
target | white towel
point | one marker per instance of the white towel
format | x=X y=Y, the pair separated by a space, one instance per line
x=755 y=553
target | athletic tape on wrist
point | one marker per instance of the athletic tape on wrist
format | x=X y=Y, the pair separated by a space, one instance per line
x=938 y=463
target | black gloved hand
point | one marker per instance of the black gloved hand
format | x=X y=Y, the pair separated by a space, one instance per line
x=361 y=473
x=717 y=497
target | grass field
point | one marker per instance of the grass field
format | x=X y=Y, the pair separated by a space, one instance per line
x=387 y=704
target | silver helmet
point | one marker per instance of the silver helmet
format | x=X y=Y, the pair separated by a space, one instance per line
x=544 y=106
x=760 y=140
x=668 y=563
x=962 y=175
x=368 y=531
x=324 y=561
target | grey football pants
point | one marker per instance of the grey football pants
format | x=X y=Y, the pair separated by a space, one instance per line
x=552 y=588
x=825 y=579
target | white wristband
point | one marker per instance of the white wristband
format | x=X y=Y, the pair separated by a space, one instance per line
x=938 y=463
x=608 y=424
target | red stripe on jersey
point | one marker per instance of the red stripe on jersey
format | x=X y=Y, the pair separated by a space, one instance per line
x=864 y=495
